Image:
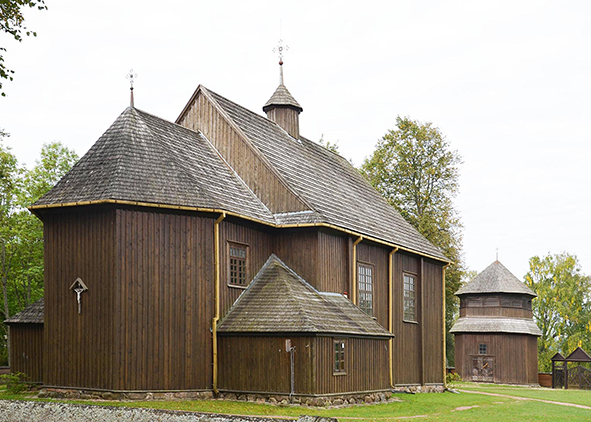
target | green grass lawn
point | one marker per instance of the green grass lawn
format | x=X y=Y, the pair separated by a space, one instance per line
x=566 y=396
x=428 y=407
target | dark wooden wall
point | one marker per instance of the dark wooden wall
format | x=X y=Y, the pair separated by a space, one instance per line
x=26 y=345
x=164 y=301
x=376 y=256
x=433 y=322
x=79 y=350
x=242 y=156
x=366 y=366
x=262 y=364
x=516 y=356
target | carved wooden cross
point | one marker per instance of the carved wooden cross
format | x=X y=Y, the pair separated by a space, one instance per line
x=79 y=287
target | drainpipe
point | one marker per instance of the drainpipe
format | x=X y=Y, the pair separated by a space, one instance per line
x=216 y=318
x=444 y=333
x=390 y=315
x=354 y=287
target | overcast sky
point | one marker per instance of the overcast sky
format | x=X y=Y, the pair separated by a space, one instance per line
x=507 y=82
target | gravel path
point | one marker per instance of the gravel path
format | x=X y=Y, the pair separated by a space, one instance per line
x=580 y=406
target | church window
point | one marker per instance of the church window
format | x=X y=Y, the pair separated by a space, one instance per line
x=339 y=357
x=482 y=349
x=365 y=281
x=238 y=255
x=410 y=298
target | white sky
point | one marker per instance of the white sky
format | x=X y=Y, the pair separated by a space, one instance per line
x=507 y=82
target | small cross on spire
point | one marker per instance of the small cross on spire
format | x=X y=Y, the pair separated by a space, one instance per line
x=132 y=77
x=280 y=49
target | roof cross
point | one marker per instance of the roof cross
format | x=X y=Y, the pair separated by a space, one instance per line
x=132 y=77
x=280 y=49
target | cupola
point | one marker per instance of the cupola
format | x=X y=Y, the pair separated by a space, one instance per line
x=283 y=109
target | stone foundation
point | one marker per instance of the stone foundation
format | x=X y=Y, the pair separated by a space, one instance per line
x=333 y=400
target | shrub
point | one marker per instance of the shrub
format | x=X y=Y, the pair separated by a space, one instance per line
x=16 y=383
x=452 y=379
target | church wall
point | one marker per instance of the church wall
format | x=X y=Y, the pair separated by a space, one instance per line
x=163 y=301
x=502 y=305
x=515 y=357
x=242 y=157
x=79 y=348
x=433 y=321
x=26 y=345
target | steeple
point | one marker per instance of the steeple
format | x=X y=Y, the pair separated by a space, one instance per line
x=282 y=108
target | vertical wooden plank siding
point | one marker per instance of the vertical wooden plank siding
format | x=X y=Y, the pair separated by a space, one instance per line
x=79 y=348
x=515 y=356
x=373 y=254
x=165 y=300
x=262 y=364
x=260 y=247
x=432 y=321
x=26 y=343
x=407 y=343
x=243 y=158
x=287 y=118
x=333 y=264
x=366 y=366
x=298 y=248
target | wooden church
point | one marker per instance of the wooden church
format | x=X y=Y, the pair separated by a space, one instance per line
x=496 y=339
x=225 y=252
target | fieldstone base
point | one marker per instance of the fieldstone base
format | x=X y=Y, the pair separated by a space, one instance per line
x=338 y=400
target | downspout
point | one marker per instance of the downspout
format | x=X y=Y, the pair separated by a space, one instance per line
x=444 y=333
x=354 y=287
x=216 y=318
x=390 y=315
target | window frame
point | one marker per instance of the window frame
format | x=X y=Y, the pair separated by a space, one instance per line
x=405 y=298
x=481 y=348
x=339 y=356
x=238 y=245
x=371 y=267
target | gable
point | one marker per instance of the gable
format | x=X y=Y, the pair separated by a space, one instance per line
x=201 y=114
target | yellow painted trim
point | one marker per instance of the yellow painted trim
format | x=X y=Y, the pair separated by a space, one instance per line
x=354 y=289
x=216 y=318
x=234 y=214
x=444 y=341
x=391 y=315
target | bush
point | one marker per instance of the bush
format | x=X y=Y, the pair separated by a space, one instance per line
x=16 y=383
x=452 y=379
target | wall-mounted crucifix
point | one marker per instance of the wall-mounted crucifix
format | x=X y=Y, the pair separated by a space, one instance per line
x=79 y=287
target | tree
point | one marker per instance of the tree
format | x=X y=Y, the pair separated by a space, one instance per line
x=12 y=22
x=414 y=168
x=562 y=309
x=21 y=233
x=334 y=147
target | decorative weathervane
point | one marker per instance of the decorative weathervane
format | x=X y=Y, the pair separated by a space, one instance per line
x=280 y=49
x=132 y=77
x=79 y=287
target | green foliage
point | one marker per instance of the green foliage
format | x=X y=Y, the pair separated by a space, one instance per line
x=414 y=168
x=16 y=383
x=21 y=233
x=452 y=379
x=562 y=309
x=333 y=147
x=12 y=22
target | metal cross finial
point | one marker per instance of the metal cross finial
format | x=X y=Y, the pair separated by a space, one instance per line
x=280 y=49
x=132 y=77
x=497 y=254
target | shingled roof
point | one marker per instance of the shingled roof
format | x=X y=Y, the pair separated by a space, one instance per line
x=279 y=301
x=282 y=97
x=495 y=279
x=490 y=324
x=32 y=314
x=144 y=159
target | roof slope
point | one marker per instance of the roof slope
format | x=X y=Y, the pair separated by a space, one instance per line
x=496 y=325
x=495 y=279
x=143 y=158
x=280 y=301
x=32 y=314
x=282 y=97
x=339 y=194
